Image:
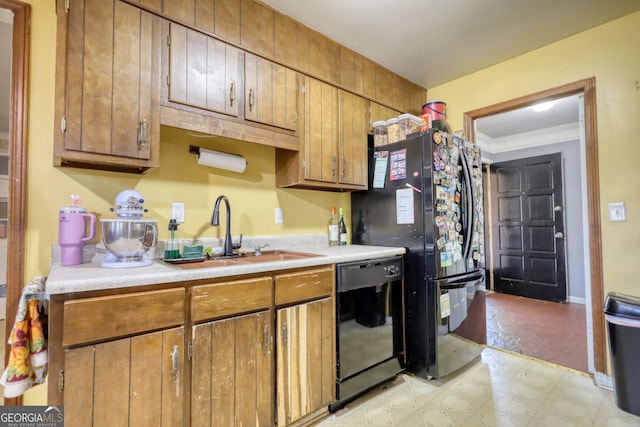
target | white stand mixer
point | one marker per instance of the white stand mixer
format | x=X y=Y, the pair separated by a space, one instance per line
x=128 y=237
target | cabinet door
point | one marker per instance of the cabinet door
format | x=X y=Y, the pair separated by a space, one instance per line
x=232 y=372
x=257 y=28
x=203 y=71
x=320 y=131
x=108 y=85
x=354 y=126
x=305 y=364
x=132 y=381
x=271 y=93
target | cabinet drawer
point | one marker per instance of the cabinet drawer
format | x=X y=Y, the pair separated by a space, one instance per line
x=230 y=298
x=304 y=286
x=101 y=318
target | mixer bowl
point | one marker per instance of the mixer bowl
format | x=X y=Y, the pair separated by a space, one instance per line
x=129 y=239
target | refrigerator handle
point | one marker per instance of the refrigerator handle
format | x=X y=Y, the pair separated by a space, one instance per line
x=470 y=211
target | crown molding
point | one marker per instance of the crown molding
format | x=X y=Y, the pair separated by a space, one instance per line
x=6 y=16
x=548 y=136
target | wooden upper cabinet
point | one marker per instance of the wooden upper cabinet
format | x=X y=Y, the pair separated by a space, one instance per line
x=107 y=86
x=219 y=17
x=384 y=85
x=285 y=39
x=181 y=10
x=320 y=131
x=324 y=58
x=380 y=112
x=257 y=28
x=271 y=93
x=354 y=127
x=203 y=71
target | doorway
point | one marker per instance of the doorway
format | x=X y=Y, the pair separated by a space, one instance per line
x=17 y=161
x=595 y=333
x=527 y=222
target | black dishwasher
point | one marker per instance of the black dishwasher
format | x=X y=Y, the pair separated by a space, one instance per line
x=369 y=326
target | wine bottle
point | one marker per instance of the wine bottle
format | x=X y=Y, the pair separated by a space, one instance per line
x=333 y=229
x=342 y=228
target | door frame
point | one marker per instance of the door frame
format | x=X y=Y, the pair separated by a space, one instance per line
x=587 y=87
x=18 y=133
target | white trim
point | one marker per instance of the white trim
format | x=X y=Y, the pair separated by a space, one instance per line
x=577 y=300
x=4 y=135
x=6 y=16
x=548 y=136
x=603 y=380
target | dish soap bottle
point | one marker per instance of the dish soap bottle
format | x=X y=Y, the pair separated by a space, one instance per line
x=333 y=229
x=342 y=229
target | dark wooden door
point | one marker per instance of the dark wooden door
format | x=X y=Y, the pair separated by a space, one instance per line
x=528 y=227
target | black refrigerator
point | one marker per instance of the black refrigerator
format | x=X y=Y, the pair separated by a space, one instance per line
x=425 y=194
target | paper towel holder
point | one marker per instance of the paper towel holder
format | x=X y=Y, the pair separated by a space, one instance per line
x=193 y=149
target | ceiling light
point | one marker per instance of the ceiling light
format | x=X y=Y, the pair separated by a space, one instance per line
x=543 y=106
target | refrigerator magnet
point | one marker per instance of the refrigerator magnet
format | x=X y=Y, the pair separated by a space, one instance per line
x=398 y=164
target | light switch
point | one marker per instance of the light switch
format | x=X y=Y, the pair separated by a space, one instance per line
x=617 y=212
x=177 y=212
x=279 y=216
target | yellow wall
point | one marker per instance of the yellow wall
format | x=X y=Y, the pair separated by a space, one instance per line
x=611 y=53
x=253 y=194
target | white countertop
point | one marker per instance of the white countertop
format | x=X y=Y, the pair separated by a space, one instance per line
x=91 y=276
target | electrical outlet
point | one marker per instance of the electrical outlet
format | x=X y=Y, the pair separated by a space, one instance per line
x=617 y=212
x=177 y=212
x=279 y=216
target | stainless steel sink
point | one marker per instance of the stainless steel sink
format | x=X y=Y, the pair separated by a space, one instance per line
x=248 y=258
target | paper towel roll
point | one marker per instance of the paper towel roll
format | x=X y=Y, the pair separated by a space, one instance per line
x=220 y=160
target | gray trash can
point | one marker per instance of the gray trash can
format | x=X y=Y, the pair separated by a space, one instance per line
x=622 y=313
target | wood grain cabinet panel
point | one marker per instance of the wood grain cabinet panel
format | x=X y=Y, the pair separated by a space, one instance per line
x=107 y=86
x=230 y=298
x=334 y=137
x=203 y=71
x=354 y=128
x=232 y=372
x=271 y=93
x=131 y=381
x=257 y=28
x=305 y=364
x=127 y=314
x=303 y=286
x=320 y=131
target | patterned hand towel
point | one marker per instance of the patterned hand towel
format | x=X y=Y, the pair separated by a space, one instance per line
x=28 y=359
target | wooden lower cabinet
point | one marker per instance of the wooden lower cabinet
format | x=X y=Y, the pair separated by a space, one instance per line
x=232 y=372
x=131 y=381
x=233 y=368
x=305 y=367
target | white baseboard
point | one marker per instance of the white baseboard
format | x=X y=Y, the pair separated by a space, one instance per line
x=603 y=380
x=577 y=300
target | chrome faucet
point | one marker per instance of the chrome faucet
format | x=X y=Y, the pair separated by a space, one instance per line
x=215 y=221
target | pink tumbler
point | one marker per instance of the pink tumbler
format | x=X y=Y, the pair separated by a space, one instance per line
x=72 y=233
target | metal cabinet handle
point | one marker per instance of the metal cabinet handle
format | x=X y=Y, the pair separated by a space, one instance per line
x=344 y=168
x=251 y=96
x=175 y=365
x=333 y=166
x=285 y=333
x=142 y=133
x=232 y=94
x=265 y=340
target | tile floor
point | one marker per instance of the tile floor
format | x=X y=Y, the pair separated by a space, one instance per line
x=500 y=389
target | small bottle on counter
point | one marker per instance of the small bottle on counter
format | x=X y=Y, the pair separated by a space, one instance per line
x=342 y=228
x=333 y=229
